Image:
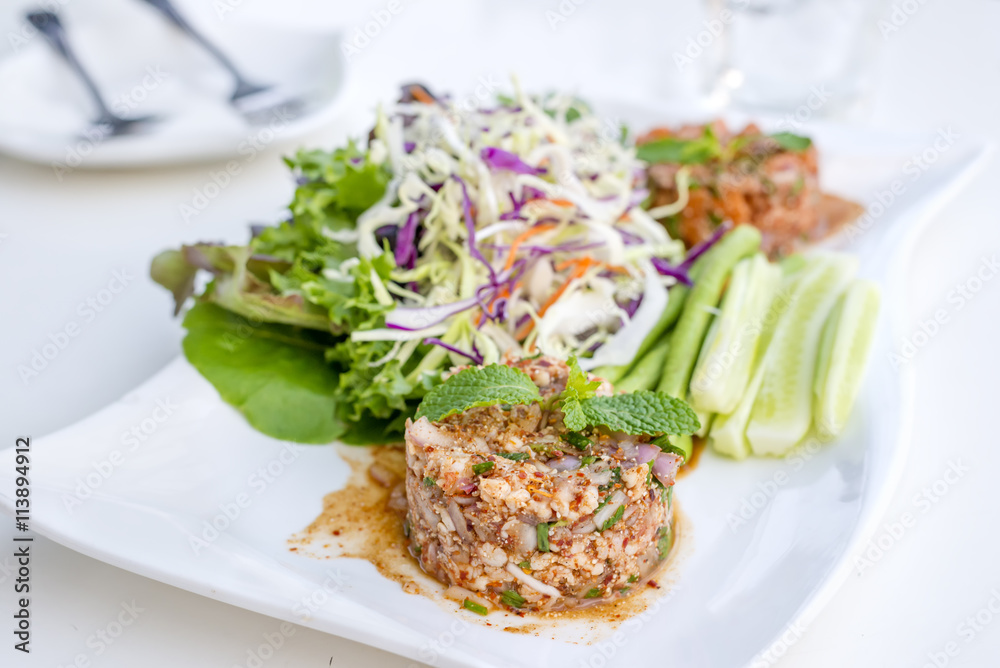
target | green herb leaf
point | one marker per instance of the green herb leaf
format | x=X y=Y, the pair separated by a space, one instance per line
x=610 y=522
x=593 y=593
x=514 y=456
x=275 y=375
x=429 y=481
x=524 y=564
x=482 y=467
x=476 y=387
x=543 y=536
x=475 y=607
x=792 y=142
x=587 y=461
x=512 y=598
x=642 y=412
x=633 y=578
x=680 y=151
x=664 y=444
x=577 y=440
x=578 y=388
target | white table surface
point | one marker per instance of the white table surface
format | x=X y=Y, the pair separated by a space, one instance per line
x=60 y=243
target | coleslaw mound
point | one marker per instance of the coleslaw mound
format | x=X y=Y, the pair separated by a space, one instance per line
x=455 y=236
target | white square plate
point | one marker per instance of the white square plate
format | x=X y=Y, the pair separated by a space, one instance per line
x=767 y=542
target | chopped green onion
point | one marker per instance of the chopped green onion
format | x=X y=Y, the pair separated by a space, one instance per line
x=428 y=481
x=616 y=477
x=512 y=598
x=665 y=541
x=614 y=518
x=483 y=467
x=587 y=461
x=633 y=578
x=524 y=564
x=475 y=607
x=577 y=440
x=543 y=537
x=623 y=590
x=417 y=549
x=593 y=593
x=514 y=456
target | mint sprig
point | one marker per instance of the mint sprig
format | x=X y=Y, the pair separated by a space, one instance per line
x=642 y=412
x=478 y=387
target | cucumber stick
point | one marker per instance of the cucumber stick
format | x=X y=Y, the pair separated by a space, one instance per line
x=844 y=350
x=713 y=269
x=723 y=369
x=782 y=410
x=646 y=372
x=728 y=433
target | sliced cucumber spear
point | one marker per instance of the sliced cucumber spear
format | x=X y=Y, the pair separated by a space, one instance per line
x=782 y=411
x=713 y=269
x=723 y=369
x=728 y=433
x=844 y=350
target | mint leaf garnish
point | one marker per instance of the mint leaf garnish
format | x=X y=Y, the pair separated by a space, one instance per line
x=477 y=387
x=792 y=142
x=642 y=412
x=578 y=387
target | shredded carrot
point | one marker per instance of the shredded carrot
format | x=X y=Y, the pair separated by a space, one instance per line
x=565 y=203
x=521 y=238
x=582 y=265
x=421 y=95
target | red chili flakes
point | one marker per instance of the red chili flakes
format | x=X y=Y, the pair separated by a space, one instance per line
x=652 y=583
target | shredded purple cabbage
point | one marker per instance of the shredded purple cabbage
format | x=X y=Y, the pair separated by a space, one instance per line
x=680 y=272
x=474 y=355
x=406 y=247
x=470 y=225
x=497 y=158
x=409 y=146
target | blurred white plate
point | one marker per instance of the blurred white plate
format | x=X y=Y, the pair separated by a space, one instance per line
x=745 y=583
x=145 y=66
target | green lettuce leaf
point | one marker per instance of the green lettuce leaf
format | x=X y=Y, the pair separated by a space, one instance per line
x=275 y=375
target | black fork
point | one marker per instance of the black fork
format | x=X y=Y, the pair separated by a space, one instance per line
x=244 y=88
x=107 y=123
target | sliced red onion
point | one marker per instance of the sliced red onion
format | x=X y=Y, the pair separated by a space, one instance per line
x=525 y=538
x=665 y=467
x=641 y=453
x=497 y=158
x=466 y=485
x=412 y=319
x=605 y=513
x=587 y=526
x=458 y=519
x=565 y=463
